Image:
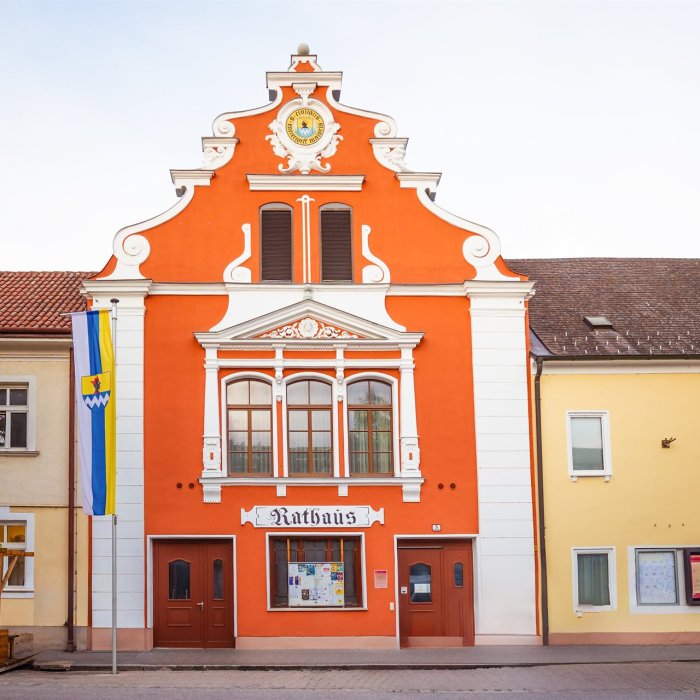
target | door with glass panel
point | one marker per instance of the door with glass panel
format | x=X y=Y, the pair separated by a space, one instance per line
x=193 y=593
x=436 y=606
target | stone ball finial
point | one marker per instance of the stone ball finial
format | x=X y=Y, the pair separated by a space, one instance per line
x=303 y=50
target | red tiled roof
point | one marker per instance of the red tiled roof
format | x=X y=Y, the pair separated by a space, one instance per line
x=31 y=302
x=652 y=304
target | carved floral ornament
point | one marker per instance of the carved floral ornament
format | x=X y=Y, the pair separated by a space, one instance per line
x=303 y=132
x=307 y=328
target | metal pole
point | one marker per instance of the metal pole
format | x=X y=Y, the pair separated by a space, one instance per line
x=114 y=303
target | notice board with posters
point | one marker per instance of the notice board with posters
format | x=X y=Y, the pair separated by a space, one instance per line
x=691 y=560
x=316 y=584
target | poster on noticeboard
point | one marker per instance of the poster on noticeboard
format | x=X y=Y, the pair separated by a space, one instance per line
x=316 y=584
x=692 y=576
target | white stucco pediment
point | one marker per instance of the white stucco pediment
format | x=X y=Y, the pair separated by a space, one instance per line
x=307 y=320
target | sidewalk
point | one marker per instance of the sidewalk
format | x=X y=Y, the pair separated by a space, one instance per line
x=341 y=659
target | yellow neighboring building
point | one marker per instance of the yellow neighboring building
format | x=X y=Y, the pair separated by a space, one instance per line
x=616 y=386
x=45 y=595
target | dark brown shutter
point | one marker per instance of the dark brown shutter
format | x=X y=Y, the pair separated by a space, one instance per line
x=336 y=245
x=276 y=245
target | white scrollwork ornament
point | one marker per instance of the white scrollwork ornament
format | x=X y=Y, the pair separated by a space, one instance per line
x=307 y=328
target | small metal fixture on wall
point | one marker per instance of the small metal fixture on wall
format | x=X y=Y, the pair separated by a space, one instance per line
x=666 y=442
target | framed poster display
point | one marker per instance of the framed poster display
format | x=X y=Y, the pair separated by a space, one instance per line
x=656 y=578
x=316 y=584
x=691 y=560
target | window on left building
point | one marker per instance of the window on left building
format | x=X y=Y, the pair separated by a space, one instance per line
x=14 y=409
x=13 y=535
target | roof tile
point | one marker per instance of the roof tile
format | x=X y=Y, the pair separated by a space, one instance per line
x=651 y=302
x=32 y=302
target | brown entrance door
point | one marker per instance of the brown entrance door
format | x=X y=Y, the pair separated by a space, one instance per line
x=436 y=605
x=193 y=593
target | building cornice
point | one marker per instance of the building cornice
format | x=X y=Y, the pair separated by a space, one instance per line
x=502 y=288
x=105 y=285
x=617 y=364
x=307 y=183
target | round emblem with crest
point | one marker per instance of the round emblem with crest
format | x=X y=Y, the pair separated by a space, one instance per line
x=305 y=126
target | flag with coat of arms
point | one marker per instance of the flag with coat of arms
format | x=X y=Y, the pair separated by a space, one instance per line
x=96 y=414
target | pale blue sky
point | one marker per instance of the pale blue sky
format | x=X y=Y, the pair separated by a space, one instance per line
x=570 y=128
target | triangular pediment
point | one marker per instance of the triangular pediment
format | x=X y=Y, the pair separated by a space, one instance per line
x=307 y=320
x=307 y=328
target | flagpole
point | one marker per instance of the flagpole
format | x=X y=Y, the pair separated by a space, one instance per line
x=114 y=303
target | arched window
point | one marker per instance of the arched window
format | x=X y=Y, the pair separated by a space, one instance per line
x=336 y=243
x=369 y=427
x=276 y=243
x=309 y=421
x=249 y=406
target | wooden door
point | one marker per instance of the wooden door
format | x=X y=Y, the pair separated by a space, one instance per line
x=435 y=594
x=193 y=593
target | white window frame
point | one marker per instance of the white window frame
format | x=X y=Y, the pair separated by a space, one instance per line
x=681 y=607
x=26 y=519
x=333 y=383
x=230 y=379
x=612 y=579
x=311 y=534
x=395 y=457
x=16 y=382
x=606 y=471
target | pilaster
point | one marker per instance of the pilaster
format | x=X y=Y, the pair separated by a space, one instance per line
x=505 y=602
x=129 y=345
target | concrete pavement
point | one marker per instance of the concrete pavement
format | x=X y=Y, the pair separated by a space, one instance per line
x=350 y=659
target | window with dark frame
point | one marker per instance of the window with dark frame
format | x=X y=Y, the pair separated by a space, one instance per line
x=286 y=550
x=309 y=428
x=370 y=427
x=276 y=243
x=14 y=408
x=336 y=243
x=249 y=408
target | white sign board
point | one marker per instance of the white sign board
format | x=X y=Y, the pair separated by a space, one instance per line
x=316 y=584
x=312 y=516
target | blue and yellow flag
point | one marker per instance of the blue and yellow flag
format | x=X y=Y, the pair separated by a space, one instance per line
x=96 y=409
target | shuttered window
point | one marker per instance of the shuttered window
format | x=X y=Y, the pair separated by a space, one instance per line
x=276 y=244
x=336 y=245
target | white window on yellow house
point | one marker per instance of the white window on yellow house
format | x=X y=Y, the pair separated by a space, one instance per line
x=17 y=414
x=588 y=444
x=13 y=535
x=657 y=584
x=594 y=579
x=14 y=410
x=17 y=532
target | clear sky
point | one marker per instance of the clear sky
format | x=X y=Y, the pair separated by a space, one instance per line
x=572 y=128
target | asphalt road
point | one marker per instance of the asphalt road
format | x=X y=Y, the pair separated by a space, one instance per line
x=640 y=681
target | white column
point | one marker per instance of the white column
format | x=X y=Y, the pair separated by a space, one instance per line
x=211 y=454
x=408 y=439
x=211 y=448
x=130 y=479
x=505 y=561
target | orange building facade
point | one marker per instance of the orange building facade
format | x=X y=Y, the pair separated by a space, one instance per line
x=323 y=423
